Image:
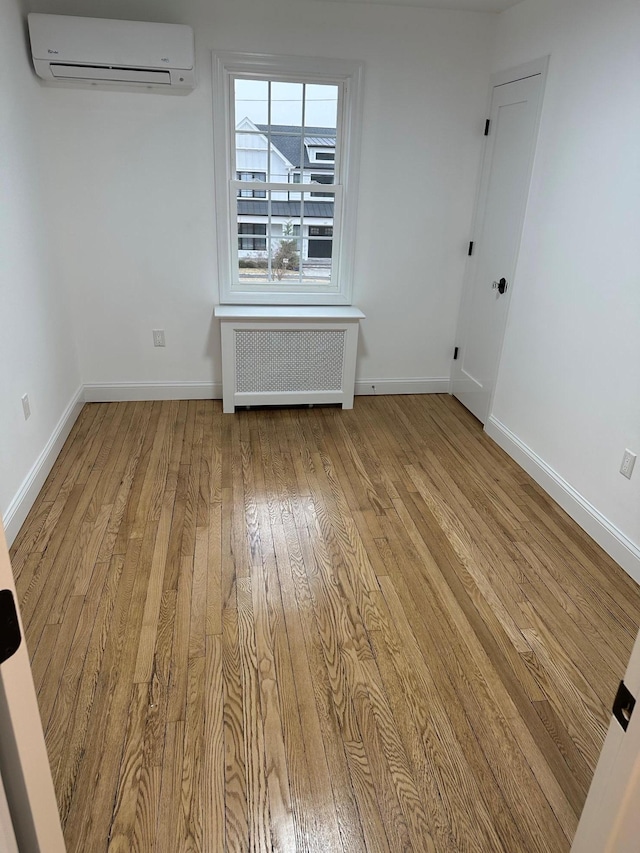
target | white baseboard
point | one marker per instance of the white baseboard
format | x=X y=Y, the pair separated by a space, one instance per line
x=623 y=550
x=118 y=392
x=436 y=385
x=34 y=481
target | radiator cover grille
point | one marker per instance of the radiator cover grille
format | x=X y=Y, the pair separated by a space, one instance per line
x=283 y=360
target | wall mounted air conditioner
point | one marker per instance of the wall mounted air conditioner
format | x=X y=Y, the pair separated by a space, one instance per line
x=113 y=54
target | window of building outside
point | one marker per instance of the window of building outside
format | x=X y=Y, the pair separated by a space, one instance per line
x=287 y=122
x=253 y=242
x=251 y=176
x=326 y=178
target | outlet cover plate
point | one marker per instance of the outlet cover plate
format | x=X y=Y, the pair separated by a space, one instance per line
x=26 y=407
x=628 y=461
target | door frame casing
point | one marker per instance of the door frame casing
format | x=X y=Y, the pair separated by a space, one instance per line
x=537 y=67
x=26 y=773
x=610 y=819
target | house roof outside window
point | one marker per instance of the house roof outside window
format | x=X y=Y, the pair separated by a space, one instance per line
x=286 y=138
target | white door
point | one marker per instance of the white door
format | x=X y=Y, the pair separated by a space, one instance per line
x=8 y=843
x=23 y=755
x=610 y=821
x=502 y=199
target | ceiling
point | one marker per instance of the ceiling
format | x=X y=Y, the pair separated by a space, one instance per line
x=463 y=5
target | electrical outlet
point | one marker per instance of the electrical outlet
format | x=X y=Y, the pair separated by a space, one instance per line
x=158 y=337
x=26 y=407
x=628 y=461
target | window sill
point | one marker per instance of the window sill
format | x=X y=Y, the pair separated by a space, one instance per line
x=288 y=312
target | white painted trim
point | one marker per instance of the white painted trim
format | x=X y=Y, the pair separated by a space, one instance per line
x=118 y=392
x=622 y=549
x=23 y=753
x=432 y=385
x=346 y=74
x=287 y=312
x=28 y=492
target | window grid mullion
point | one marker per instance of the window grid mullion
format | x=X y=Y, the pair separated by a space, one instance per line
x=300 y=240
x=268 y=168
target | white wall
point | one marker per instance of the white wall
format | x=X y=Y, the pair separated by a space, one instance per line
x=569 y=384
x=37 y=354
x=131 y=183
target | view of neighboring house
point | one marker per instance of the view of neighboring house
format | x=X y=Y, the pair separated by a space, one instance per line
x=285 y=154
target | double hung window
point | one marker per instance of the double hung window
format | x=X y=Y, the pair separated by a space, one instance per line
x=282 y=122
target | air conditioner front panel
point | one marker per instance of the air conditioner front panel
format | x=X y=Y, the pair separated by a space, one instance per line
x=98 y=41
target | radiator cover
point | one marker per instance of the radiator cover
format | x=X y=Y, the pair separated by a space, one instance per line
x=275 y=356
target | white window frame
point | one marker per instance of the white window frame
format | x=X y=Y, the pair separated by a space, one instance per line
x=348 y=76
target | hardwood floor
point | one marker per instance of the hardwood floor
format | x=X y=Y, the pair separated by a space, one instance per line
x=314 y=630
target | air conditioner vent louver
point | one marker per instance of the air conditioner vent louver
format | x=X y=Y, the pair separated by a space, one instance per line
x=69 y=71
x=276 y=361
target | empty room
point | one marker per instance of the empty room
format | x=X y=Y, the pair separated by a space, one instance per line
x=319 y=409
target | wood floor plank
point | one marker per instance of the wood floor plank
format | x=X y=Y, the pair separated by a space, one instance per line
x=213 y=775
x=256 y=770
x=176 y=709
x=132 y=505
x=198 y=622
x=124 y=810
x=159 y=682
x=192 y=782
x=314 y=630
x=81 y=718
x=147 y=809
x=235 y=781
x=121 y=478
x=29 y=534
x=170 y=832
x=40 y=659
x=150 y=616
x=214 y=595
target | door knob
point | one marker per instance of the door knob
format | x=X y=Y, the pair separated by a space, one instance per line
x=500 y=286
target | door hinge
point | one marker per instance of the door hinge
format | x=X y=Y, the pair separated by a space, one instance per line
x=623 y=705
x=487 y=126
x=10 y=636
x=455 y=353
x=471 y=245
